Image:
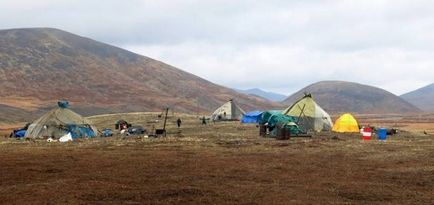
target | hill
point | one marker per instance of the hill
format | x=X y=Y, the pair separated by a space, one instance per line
x=39 y=66
x=422 y=98
x=340 y=96
x=276 y=97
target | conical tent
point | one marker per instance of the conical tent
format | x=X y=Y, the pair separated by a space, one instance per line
x=346 y=123
x=59 y=122
x=228 y=111
x=311 y=117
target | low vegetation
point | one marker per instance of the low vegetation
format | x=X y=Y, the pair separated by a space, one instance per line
x=221 y=163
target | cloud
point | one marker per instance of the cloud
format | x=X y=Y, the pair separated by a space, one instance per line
x=275 y=45
x=286 y=69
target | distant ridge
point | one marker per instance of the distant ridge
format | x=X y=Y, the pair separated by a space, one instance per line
x=422 y=98
x=276 y=97
x=341 y=96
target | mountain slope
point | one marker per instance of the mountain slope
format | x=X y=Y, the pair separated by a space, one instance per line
x=340 y=96
x=276 y=97
x=42 y=65
x=423 y=98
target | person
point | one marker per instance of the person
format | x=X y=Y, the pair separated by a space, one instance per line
x=178 y=122
x=203 y=120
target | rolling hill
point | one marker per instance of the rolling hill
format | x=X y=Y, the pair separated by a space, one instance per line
x=340 y=96
x=39 y=66
x=422 y=98
x=276 y=97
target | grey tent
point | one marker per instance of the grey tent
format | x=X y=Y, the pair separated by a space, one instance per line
x=228 y=111
x=311 y=116
x=59 y=122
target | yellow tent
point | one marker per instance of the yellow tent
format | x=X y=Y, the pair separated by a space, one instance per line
x=346 y=123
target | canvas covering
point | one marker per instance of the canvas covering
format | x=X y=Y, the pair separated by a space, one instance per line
x=56 y=122
x=311 y=116
x=228 y=111
x=275 y=118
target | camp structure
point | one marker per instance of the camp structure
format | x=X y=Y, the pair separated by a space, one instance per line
x=122 y=125
x=59 y=122
x=251 y=117
x=310 y=116
x=274 y=120
x=228 y=111
x=346 y=123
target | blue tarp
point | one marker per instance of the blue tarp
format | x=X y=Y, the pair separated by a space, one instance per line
x=20 y=133
x=106 y=132
x=252 y=117
x=78 y=131
x=63 y=104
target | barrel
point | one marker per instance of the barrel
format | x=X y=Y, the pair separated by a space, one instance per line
x=382 y=134
x=367 y=133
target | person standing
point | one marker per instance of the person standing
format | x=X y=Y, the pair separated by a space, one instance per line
x=178 y=122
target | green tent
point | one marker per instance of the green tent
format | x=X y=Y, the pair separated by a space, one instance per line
x=267 y=114
x=275 y=119
x=311 y=117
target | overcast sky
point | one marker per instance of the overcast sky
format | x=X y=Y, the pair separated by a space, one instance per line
x=276 y=45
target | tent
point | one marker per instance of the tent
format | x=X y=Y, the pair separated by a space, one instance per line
x=311 y=117
x=59 y=122
x=252 y=117
x=228 y=111
x=346 y=123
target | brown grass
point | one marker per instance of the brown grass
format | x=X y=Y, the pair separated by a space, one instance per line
x=222 y=163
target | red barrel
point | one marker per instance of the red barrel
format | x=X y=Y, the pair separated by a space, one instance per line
x=367 y=133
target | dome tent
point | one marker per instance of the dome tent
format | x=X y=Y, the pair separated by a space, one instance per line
x=59 y=122
x=228 y=111
x=346 y=123
x=311 y=117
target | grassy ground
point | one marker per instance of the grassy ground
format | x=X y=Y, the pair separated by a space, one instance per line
x=222 y=163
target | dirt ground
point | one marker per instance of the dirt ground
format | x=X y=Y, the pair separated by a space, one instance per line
x=222 y=163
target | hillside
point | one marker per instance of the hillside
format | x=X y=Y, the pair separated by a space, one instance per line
x=39 y=66
x=340 y=96
x=276 y=97
x=422 y=98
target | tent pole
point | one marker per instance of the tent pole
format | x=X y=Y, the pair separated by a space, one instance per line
x=165 y=120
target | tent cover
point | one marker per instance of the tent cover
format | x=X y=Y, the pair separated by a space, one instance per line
x=275 y=118
x=228 y=111
x=311 y=116
x=60 y=121
x=346 y=123
x=252 y=117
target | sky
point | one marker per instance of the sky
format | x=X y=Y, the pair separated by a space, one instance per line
x=276 y=45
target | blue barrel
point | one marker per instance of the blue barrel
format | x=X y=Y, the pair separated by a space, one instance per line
x=382 y=134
